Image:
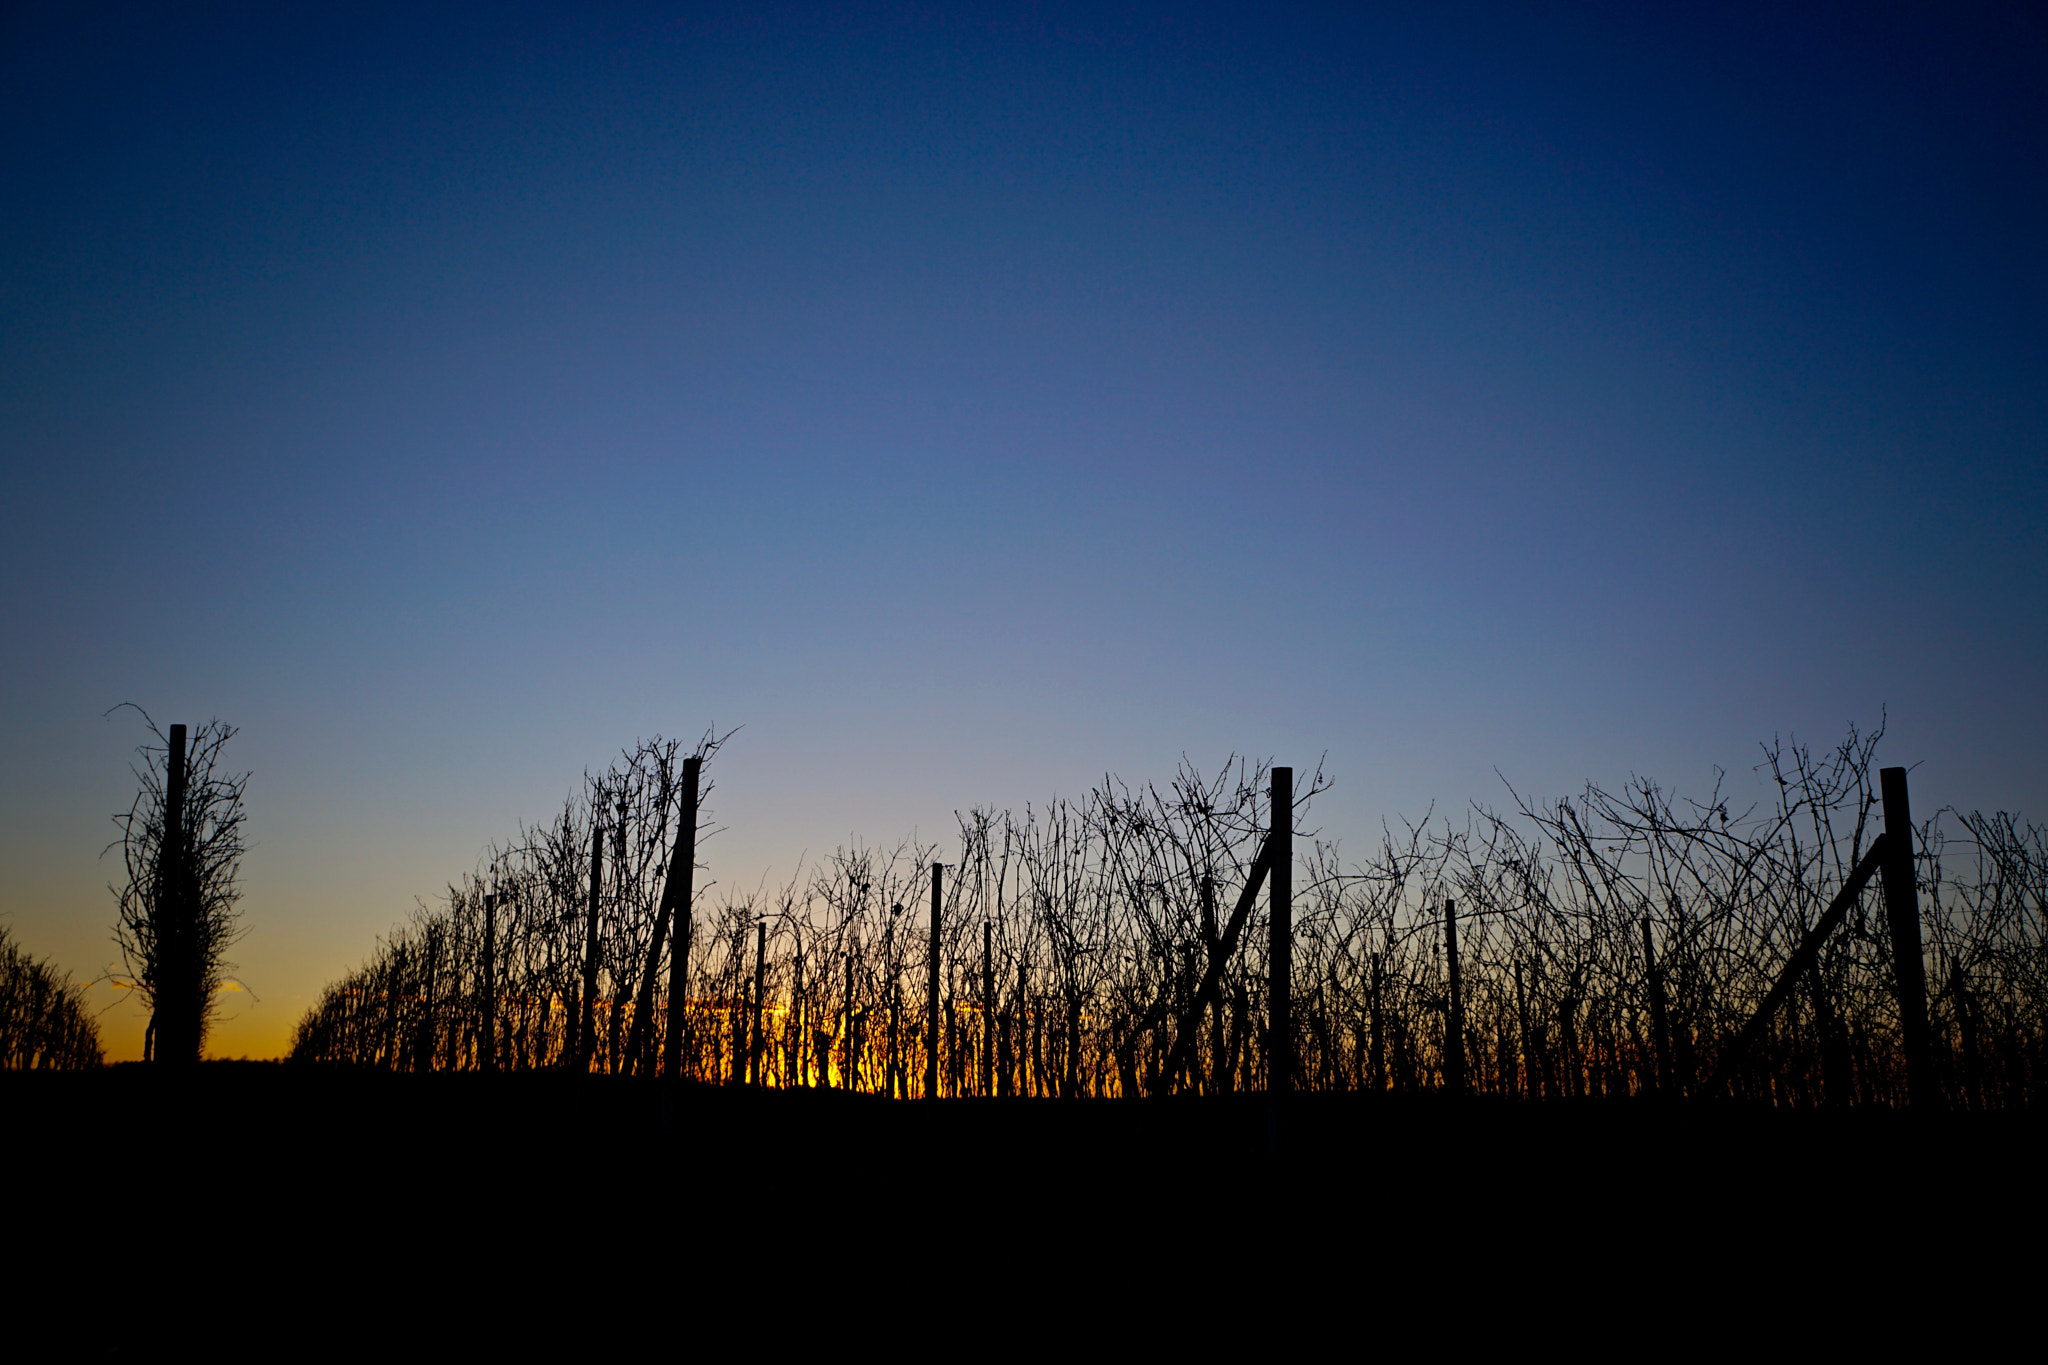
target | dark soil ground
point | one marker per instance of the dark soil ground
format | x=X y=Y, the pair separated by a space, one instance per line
x=533 y=1191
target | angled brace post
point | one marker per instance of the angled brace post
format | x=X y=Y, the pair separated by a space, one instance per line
x=1802 y=957
x=1212 y=979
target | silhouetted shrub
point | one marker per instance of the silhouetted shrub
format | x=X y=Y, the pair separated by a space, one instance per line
x=176 y=916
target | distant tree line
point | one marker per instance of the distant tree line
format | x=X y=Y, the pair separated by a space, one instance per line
x=1609 y=944
x=44 y=1022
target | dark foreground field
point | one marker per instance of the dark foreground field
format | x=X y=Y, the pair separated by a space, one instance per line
x=534 y=1192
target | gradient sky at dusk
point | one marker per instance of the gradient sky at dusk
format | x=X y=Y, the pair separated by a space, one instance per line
x=969 y=405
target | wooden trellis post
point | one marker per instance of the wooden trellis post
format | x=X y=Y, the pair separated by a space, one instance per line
x=586 y=1032
x=678 y=890
x=797 y=1045
x=760 y=985
x=988 y=1009
x=1280 y=939
x=1660 y=1014
x=489 y=1030
x=1020 y=1013
x=1280 y=962
x=1524 y=1053
x=173 y=1027
x=931 y=1002
x=1454 y=1017
x=893 y=1084
x=1210 y=945
x=1902 y=910
x=1379 y=1028
x=849 y=1072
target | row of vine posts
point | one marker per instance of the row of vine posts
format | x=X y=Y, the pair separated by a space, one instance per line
x=1614 y=944
x=46 y=1023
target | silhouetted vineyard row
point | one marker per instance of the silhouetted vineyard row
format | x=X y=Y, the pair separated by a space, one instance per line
x=1074 y=936
x=44 y=1022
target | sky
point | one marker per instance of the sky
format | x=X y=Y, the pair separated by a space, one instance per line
x=968 y=402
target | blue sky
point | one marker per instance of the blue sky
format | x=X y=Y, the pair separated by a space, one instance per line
x=968 y=406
